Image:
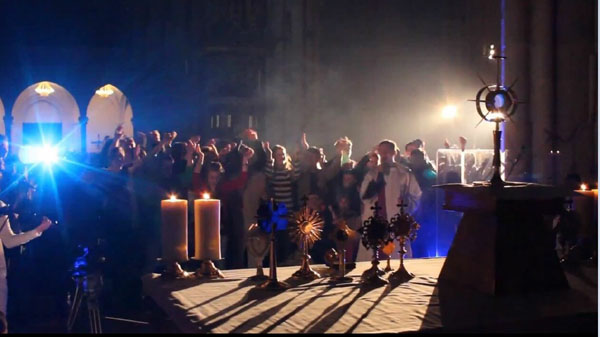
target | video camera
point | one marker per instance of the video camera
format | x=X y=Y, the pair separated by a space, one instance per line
x=89 y=262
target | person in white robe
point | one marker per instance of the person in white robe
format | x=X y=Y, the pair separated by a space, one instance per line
x=391 y=181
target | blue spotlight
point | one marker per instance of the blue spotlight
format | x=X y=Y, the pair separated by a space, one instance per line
x=36 y=154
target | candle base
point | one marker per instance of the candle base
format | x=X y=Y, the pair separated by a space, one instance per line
x=208 y=270
x=305 y=272
x=273 y=284
x=259 y=277
x=341 y=276
x=388 y=267
x=401 y=275
x=174 y=270
x=372 y=276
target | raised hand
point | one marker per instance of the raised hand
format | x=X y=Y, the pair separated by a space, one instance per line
x=225 y=150
x=303 y=142
x=44 y=225
x=463 y=142
x=119 y=132
x=342 y=145
x=268 y=151
x=248 y=153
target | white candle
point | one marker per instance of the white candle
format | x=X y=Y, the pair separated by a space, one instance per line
x=207 y=225
x=174 y=229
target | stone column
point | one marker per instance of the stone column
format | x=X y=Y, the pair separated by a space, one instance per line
x=542 y=90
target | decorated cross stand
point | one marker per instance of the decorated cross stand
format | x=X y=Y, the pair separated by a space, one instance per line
x=307 y=230
x=375 y=234
x=273 y=217
x=403 y=226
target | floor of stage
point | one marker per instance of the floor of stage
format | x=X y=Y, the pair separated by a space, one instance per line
x=233 y=305
x=433 y=309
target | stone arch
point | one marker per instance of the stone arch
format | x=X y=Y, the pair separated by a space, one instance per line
x=105 y=111
x=59 y=106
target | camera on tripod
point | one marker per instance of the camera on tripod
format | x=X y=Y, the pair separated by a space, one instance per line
x=87 y=274
x=91 y=261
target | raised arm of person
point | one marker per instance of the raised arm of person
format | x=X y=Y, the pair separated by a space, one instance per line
x=411 y=193
x=11 y=240
x=270 y=163
x=116 y=141
x=361 y=168
x=334 y=166
x=239 y=182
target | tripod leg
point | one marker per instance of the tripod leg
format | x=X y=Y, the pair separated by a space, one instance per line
x=74 y=308
x=98 y=320
x=94 y=316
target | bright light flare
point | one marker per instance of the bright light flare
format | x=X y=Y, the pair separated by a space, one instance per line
x=583 y=187
x=172 y=197
x=105 y=91
x=205 y=196
x=492 y=52
x=449 y=112
x=44 y=89
x=45 y=154
x=496 y=116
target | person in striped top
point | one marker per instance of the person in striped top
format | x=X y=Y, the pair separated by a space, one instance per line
x=281 y=175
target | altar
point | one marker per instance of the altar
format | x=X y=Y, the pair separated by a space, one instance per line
x=235 y=305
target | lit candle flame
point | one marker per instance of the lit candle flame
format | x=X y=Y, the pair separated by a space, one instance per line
x=583 y=187
x=173 y=197
x=206 y=196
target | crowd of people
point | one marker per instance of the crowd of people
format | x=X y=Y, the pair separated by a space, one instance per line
x=242 y=173
x=114 y=204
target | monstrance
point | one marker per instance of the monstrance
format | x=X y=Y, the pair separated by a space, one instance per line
x=375 y=234
x=402 y=227
x=307 y=230
x=501 y=103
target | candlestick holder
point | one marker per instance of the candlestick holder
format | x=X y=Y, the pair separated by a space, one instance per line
x=307 y=231
x=341 y=275
x=401 y=275
x=173 y=270
x=403 y=227
x=388 y=250
x=208 y=270
x=372 y=276
x=375 y=234
x=272 y=283
x=341 y=237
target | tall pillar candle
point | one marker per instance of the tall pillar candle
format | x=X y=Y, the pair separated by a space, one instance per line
x=207 y=226
x=174 y=229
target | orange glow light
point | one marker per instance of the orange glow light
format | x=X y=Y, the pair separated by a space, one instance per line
x=583 y=187
x=205 y=196
x=173 y=197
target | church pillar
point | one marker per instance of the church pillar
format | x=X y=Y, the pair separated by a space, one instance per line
x=83 y=127
x=518 y=131
x=542 y=104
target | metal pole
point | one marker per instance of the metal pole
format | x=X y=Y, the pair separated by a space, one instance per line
x=502 y=61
